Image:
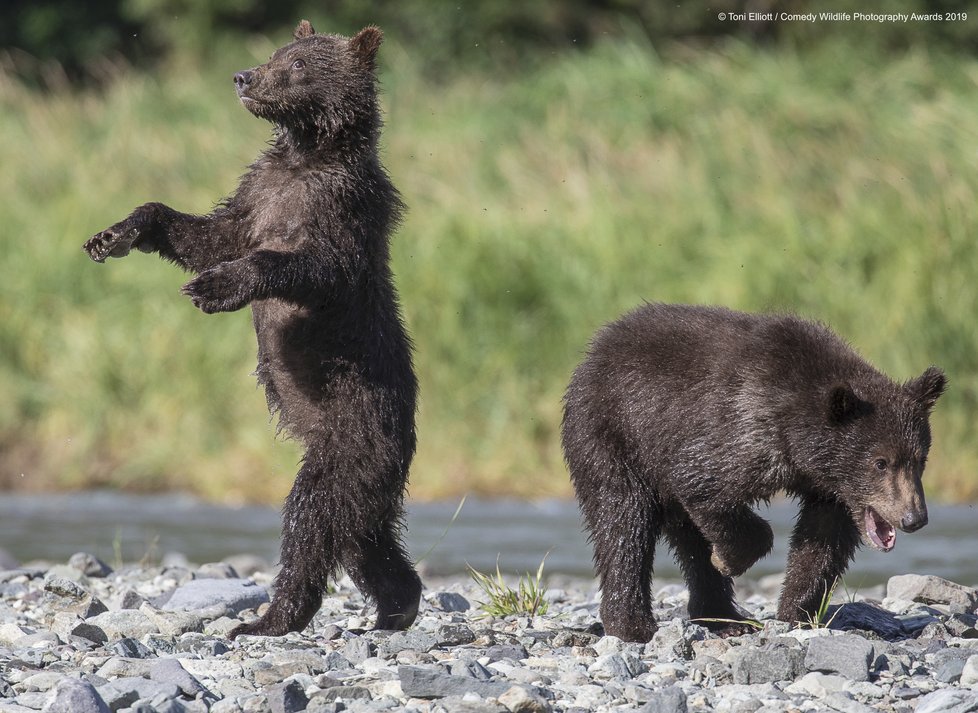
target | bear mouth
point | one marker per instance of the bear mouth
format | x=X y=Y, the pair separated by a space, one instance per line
x=880 y=533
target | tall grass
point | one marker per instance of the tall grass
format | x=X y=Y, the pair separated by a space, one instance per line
x=835 y=183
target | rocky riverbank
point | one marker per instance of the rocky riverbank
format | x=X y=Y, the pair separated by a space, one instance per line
x=81 y=638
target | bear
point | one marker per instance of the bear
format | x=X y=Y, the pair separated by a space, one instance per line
x=304 y=240
x=681 y=418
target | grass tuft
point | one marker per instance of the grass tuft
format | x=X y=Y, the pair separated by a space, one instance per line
x=502 y=600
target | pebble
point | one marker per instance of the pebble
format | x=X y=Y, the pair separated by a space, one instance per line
x=161 y=647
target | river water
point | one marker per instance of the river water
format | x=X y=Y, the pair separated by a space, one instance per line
x=520 y=533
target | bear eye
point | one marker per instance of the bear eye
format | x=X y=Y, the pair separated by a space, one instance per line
x=880 y=464
x=298 y=64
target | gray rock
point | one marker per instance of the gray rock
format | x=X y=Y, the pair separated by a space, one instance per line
x=403 y=640
x=130 y=648
x=216 y=570
x=948 y=700
x=844 y=703
x=519 y=700
x=246 y=565
x=430 y=682
x=950 y=671
x=124 y=623
x=969 y=672
x=865 y=617
x=847 y=655
x=454 y=635
x=287 y=697
x=451 y=602
x=64 y=587
x=471 y=668
x=666 y=700
x=346 y=693
x=228 y=596
x=129 y=599
x=499 y=652
x=170 y=671
x=123 y=692
x=930 y=590
x=357 y=649
x=73 y=695
x=89 y=565
x=777 y=663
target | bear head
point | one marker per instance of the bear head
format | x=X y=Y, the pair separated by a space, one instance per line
x=318 y=85
x=877 y=442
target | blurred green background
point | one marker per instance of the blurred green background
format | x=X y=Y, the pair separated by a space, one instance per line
x=562 y=162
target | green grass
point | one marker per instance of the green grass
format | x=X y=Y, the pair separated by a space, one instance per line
x=502 y=600
x=838 y=184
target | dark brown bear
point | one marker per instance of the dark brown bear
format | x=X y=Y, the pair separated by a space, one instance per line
x=305 y=241
x=681 y=418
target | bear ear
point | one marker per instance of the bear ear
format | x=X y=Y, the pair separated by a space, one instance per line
x=366 y=43
x=927 y=387
x=303 y=30
x=844 y=405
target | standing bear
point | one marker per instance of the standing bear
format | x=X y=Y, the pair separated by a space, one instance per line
x=305 y=241
x=681 y=418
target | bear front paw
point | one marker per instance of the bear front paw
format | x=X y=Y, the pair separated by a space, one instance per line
x=224 y=288
x=112 y=242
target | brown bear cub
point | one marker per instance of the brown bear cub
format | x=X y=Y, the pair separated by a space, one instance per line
x=681 y=418
x=305 y=241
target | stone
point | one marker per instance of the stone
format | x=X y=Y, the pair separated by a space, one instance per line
x=117 y=667
x=73 y=695
x=844 y=703
x=777 y=663
x=172 y=623
x=246 y=565
x=950 y=671
x=229 y=597
x=847 y=655
x=345 y=693
x=64 y=587
x=948 y=700
x=498 y=652
x=930 y=590
x=130 y=648
x=450 y=602
x=123 y=692
x=170 y=671
x=519 y=700
x=454 y=635
x=89 y=565
x=125 y=623
x=969 y=672
x=430 y=682
x=216 y=570
x=667 y=700
x=357 y=649
x=403 y=640
x=288 y=697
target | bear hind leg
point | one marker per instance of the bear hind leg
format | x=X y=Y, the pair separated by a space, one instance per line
x=378 y=564
x=624 y=527
x=711 y=594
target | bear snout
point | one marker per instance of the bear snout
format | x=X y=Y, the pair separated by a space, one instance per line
x=242 y=80
x=913 y=520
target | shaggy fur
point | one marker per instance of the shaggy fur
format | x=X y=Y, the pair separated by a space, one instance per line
x=304 y=241
x=681 y=418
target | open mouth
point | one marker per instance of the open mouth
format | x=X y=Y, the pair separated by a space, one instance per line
x=881 y=534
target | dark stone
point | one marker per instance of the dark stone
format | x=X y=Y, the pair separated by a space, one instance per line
x=403 y=640
x=73 y=695
x=499 y=652
x=346 y=693
x=431 y=682
x=778 y=663
x=847 y=655
x=667 y=700
x=455 y=635
x=287 y=697
x=451 y=602
x=471 y=669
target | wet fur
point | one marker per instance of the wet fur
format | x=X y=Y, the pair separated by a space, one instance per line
x=681 y=418
x=305 y=241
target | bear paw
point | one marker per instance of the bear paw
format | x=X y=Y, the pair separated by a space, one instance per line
x=223 y=288
x=112 y=242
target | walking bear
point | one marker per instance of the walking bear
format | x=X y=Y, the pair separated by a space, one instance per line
x=681 y=418
x=305 y=241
